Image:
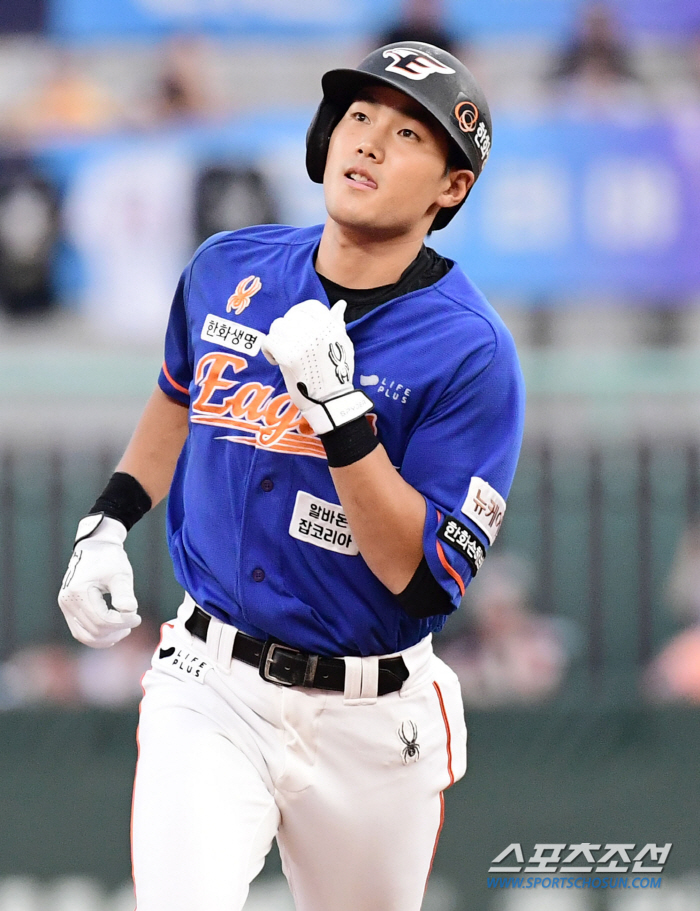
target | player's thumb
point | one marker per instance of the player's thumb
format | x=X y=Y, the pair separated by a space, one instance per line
x=338 y=311
x=121 y=588
x=265 y=348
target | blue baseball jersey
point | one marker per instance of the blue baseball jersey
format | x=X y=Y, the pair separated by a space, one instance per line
x=255 y=529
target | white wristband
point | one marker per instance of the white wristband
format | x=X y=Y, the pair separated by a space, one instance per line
x=326 y=416
x=102 y=528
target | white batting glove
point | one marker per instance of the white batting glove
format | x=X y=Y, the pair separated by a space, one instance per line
x=317 y=359
x=99 y=565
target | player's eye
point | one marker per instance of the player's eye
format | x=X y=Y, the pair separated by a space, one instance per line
x=359 y=116
x=409 y=134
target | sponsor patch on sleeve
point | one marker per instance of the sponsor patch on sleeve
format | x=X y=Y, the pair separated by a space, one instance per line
x=233 y=336
x=461 y=539
x=485 y=507
x=321 y=523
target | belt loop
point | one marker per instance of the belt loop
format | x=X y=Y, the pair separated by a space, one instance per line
x=220 y=639
x=226 y=640
x=214 y=639
x=353 y=680
x=361 y=680
x=370 y=679
x=186 y=609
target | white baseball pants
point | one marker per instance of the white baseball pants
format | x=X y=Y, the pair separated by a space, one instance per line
x=349 y=784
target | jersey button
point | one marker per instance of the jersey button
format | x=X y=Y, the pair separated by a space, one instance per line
x=267 y=484
x=258 y=575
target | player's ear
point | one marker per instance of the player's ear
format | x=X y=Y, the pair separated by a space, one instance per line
x=460 y=181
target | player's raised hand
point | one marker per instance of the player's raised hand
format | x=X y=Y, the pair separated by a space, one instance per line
x=99 y=565
x=316 y=356
x=301 y=341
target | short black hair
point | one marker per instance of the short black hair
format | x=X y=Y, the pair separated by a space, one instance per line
x=456 y=158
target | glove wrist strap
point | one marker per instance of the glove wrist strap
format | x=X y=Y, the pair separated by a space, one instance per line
x=101 y=527
x=333 y=413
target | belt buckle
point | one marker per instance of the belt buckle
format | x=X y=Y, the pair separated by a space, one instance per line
x=267 y=656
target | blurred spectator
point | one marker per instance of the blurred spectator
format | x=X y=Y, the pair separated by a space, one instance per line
x=597 y=50
x=228 y=198
x=68 y=102
x=40 y=674
x=420 y=20
x=181 y=90
x=129 y=215
x=683 y=587
x=29 y=231
x=54 y=674
x=674 y=675
x=23 y=16
x=595 y=69
x=507 y=654
x=112 y=676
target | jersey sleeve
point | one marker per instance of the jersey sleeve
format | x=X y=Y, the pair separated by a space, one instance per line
x=462 y=458
x=177 y=370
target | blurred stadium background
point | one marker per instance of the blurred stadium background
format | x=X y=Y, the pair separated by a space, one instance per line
x=130 y=130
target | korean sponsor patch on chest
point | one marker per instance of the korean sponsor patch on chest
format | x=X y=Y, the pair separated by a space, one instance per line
x=485 y=507
x=181 y=663
x=321 y=523
x=234 y=336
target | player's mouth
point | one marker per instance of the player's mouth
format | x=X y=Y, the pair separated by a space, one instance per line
x=360 y=179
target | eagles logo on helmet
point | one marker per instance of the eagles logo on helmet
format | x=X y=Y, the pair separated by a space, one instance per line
x=409 y=63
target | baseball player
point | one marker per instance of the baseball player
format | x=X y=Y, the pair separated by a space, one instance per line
x=337 y=423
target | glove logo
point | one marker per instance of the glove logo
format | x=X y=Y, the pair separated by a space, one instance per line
x=467 y=114
x=414 y=64
x=336 y=353
x=70 y=572
x=408 y=735
x=245 y=290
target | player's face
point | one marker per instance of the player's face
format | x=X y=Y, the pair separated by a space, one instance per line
x=386 y=166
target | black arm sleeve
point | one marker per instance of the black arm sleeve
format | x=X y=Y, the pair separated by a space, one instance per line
x=423 y=596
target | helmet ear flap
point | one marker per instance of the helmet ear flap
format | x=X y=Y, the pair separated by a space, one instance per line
x=318 y=137
x=445 y=216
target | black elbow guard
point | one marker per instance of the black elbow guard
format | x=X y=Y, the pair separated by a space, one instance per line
x=423 y=596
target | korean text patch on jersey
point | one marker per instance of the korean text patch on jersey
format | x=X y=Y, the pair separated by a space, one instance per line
x=461 y=539
x=324 y=524
x=485 y=507
x=231 y=335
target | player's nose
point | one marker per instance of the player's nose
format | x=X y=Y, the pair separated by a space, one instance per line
x=372 y=146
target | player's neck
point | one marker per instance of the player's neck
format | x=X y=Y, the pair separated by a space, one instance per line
x=353 y=260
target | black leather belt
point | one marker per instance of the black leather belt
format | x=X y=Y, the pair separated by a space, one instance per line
x=287 y=666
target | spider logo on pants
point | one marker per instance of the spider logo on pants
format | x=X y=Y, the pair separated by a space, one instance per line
x=408 y=734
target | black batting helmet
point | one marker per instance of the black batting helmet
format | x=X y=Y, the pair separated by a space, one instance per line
x=429 y=75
